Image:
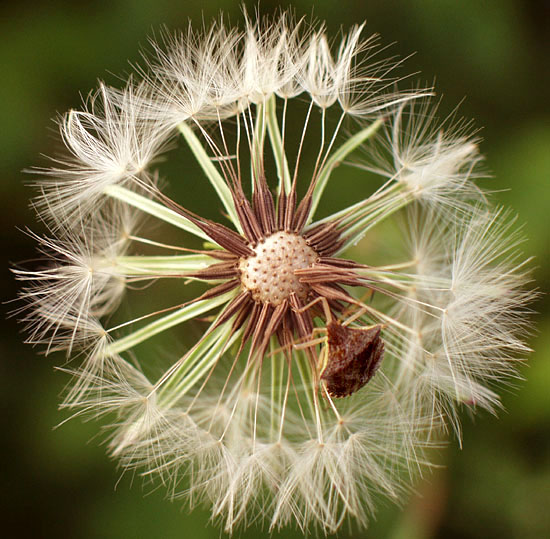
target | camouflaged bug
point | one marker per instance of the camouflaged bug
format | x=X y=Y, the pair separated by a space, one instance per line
x=352 y=357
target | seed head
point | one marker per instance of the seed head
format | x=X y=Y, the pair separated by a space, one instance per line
x=317 y=378
x=270 y=275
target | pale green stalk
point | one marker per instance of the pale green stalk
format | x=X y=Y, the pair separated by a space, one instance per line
x=281 y=162
x=154 y=208
x=277 y=385
x=362 y=226
x=258 y=142
x=215 y=178
x=196 y=364
x=351 y=212
x=306 y=376
x=133 y=266
x=181 y=315
x=364 y=215
x=336 y=158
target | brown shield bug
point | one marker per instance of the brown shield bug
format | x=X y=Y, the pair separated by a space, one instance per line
x=354 y=356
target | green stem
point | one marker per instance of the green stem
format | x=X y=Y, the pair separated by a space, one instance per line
x=194 y=365
x=337 y=157
x=216 y=179
x=283 y=172
x=278 y=386
x=154 y=208
x=258 y=142
x=356 y=232
x=131 y=266
x=181 y=315
x=307 y=378
x=364 y=206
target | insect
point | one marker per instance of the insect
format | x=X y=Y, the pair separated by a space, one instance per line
x=352 y=356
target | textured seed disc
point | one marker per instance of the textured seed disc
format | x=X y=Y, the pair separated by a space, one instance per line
x=269 y=274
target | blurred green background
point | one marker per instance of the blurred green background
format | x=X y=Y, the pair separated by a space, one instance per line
x=60 y=483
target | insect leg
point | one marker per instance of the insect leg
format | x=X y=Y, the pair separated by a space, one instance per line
x=324 y=303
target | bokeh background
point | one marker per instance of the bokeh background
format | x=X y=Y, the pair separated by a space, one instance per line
x=491 y=53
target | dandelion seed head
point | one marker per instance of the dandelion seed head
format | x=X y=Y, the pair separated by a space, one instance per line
x=317 y=381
